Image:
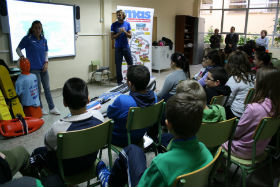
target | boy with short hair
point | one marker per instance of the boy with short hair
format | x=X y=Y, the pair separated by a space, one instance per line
x=185 y=154
x=215 y=83
x=75 y=96
x=138 y=78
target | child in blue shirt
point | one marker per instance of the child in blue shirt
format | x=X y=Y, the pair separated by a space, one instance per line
x=138 y=77
x=27 y=90
x=212 y=60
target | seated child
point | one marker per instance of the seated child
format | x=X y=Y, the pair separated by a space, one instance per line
x=241 y=80
x=12 y=161
x=186 y=154
x=138 y=78
x=262 y=59
x=215 y=83
x=75 y=96
x=181 y=72
x=213 y=59
x=265 y=103
x=211 y=113
x=27 y=90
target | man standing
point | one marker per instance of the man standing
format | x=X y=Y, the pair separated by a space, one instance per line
x=215 y=40
x=121 y=31
x=231 y=41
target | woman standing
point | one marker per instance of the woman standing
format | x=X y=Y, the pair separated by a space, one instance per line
x=36 y=48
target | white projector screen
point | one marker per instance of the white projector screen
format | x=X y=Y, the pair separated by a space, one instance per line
x=57 y=20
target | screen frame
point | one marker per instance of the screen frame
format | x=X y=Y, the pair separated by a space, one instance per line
x=47 y=3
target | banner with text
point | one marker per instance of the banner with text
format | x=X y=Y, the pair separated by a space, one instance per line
x=141 y=22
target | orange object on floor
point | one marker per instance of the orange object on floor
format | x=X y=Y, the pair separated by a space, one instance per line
x=18 y=127
x=31 y=111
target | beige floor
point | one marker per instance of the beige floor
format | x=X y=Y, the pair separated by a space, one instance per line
x=35 y=139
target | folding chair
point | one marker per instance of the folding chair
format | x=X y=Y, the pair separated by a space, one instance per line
x=80 y=143
x=145 y=117
x=213 y=135
x=249 y=96
x=198 y=178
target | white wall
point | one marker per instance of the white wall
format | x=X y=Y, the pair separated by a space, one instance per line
x=98 y=47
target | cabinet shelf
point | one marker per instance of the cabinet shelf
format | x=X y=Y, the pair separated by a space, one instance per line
x=188 y=39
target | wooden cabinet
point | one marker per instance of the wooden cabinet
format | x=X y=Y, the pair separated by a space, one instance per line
x=189 y=37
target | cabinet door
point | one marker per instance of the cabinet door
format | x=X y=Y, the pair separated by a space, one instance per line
x=161 y=57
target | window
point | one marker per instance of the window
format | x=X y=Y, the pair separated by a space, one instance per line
x=212 y=19
x=234 y=18
x=236 y=4
x=248 y=17
x=210 y=4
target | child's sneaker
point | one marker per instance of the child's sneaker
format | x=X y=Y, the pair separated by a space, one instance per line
x=55 y=111
x=103 y=173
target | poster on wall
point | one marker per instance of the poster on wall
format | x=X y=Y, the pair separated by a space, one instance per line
x=141 y=22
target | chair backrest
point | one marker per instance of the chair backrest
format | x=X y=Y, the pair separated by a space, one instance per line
x=143 y=117
x=216 y=133
x=266 y=129
x=218 y=100
x=79 y=143
x=276 y=63
x=249 y=96
x=198 y=178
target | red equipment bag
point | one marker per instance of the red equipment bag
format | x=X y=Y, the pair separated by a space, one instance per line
x=20 y=126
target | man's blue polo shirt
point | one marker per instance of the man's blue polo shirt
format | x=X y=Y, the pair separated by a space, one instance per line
x=35 y=51
x=121 y=41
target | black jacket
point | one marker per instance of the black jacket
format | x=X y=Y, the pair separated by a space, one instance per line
x=215 y=41
x=231 y=39
x=215 y=91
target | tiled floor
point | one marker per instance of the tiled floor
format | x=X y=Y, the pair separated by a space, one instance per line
x=35 y=139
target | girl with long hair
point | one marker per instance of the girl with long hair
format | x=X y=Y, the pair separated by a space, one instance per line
x=180 y=64
x=265 y=103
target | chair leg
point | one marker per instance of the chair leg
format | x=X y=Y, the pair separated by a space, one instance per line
x=155 y=150
x=243 y=172
x=100 y=153
x=227 y=177
x=271 y=169
x=234 y=173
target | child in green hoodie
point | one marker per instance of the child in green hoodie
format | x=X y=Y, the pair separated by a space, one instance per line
x=211 y=113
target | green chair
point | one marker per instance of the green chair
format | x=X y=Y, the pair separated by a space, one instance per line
x=265 y=130
x=94 y=65
x=213 y=135
x=219 y=100
x=80 y=143
x=144 y=117
x=198 y=178
x=249 y=96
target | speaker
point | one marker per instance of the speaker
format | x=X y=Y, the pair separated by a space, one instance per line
x=77 y=18
x=4 y=17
